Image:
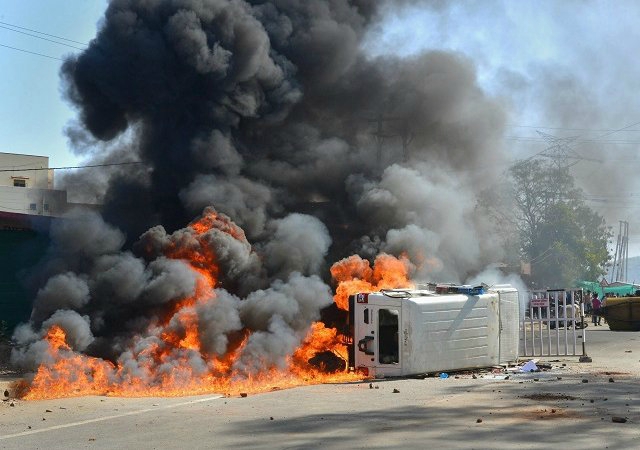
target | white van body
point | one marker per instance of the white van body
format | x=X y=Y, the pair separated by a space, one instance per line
x=410 y=332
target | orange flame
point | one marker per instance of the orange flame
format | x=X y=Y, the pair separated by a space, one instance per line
x=161 y=363
x=354 y=275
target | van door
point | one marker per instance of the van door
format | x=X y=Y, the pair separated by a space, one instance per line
x=377 y=336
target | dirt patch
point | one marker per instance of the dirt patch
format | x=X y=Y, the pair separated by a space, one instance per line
x=545 y=397
x=549 y=414
x=527 y=414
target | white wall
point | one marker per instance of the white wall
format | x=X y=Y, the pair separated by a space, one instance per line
x=38 y=196
x=18 y=166
x=43 y=202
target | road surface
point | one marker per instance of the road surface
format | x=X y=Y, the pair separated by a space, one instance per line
x=571 y=405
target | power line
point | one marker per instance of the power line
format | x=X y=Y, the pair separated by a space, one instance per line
x=565 y=128
x=43 y=38
x=33 y=53
x=74 y=167
x=46 y=34
x=566 y=148
x=579 y=141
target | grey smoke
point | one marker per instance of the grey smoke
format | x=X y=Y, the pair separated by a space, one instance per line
x=245 y=200
x=281 y=316
x=300 y=243
x=550 y=82
x=272 y=113
x=64 y=291
x=169 y=279
x=32 y=350
x=218 y=318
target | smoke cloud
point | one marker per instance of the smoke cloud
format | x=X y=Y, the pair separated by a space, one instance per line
x=293 y=147
x=576 y=91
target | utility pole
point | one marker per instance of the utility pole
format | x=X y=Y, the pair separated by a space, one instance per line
x=619 y=270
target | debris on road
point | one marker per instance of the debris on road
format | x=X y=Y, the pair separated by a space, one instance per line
x=529 y=367
x=617 y=419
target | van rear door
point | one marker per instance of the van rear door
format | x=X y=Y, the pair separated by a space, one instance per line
x=376 y=323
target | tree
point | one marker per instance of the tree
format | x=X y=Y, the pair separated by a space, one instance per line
x=562 y=238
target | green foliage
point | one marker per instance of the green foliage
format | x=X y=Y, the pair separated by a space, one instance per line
x=560 y=235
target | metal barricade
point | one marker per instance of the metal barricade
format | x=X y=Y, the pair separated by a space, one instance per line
x=554 y=324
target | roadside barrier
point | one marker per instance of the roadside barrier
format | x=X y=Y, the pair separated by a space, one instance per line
x=554 y=324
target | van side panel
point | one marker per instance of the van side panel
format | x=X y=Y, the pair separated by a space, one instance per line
x=451 y=332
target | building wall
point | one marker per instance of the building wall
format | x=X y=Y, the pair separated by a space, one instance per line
x=24 y=190
x=21 y=168
x=41 y=202
x=28 y=206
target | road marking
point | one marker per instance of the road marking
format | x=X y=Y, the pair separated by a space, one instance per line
x=115 y=416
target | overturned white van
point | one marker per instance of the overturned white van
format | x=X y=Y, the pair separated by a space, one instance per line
x=409 y=332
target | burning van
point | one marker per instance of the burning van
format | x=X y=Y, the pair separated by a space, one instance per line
x=444 y=328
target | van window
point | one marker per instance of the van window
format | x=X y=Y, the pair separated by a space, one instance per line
x=388 y=350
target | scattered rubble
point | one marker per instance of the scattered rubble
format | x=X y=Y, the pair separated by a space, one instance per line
x=529 y=367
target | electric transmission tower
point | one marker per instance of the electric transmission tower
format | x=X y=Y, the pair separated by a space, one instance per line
x=381 y=134
x=619 y=270
x=560 y=150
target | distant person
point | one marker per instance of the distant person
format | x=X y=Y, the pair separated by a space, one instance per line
x=595 y=315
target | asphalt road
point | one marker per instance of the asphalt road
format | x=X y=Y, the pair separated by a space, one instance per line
x=572 y=405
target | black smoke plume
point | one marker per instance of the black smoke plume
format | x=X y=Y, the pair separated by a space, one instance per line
x=273 y=113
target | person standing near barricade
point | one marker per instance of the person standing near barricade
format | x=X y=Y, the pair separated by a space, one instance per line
x=587 y=303
x=595 y=314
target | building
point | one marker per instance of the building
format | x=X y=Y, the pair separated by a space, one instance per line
x=28 y=205
x=27 y=188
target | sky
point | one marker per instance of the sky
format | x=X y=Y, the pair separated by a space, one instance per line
x=33 y=114
x=567 y=69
